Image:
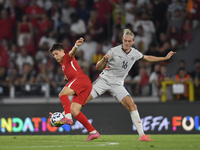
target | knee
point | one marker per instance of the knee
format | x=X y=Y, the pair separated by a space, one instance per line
x=63 y=93
x=133 y=107
x=74 y=112
x=60 y=94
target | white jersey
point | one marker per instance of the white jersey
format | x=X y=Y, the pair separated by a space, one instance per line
x=119 y=64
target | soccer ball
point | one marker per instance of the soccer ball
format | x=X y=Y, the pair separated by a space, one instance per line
x=56 y=117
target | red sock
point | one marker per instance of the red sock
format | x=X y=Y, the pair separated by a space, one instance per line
x=66 y=103
x=84 y=121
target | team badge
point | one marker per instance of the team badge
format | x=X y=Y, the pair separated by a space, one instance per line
x=63 y=67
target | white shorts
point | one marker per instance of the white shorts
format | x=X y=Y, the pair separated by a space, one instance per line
x=100 y=86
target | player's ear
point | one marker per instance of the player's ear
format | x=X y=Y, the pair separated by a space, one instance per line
x=62 y=50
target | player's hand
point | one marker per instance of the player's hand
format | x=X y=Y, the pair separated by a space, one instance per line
x=106 y=57
x=79 y=41
x=170 y=54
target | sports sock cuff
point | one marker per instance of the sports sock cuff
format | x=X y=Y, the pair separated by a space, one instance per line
x=63 y=96
x=134 y=113
x=93 y=132
x=68 y=116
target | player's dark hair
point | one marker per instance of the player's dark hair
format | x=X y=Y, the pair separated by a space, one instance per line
x=57 y=46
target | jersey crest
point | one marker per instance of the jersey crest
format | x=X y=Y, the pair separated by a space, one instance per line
x=63 y=67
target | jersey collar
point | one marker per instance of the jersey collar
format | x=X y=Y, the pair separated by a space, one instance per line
x=125 y=51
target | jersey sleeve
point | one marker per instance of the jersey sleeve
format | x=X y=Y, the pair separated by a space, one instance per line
x=139 y=55
x=110 y=52
x=67 y=57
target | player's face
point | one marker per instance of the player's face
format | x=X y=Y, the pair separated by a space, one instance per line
x=58 y=55
x=127 y=42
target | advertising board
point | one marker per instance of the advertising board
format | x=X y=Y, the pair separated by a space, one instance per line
x=107 y=118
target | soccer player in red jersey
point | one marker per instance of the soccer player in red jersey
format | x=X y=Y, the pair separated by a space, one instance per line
x=79 y=86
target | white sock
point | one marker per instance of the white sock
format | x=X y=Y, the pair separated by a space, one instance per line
x=93 y=132
x=137 y=122
x=68 y=116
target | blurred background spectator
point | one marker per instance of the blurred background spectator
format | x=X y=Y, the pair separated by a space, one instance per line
x=154 y=80
x=3 y=75
x=141 y=41
x=94 y=26
x=23 y=58
x=30 y=27
x=163 y=45
x=7 y=25
x=83 y=10
x=193 y=8
x=131 y=11
x=66 y=11
x=77 y=27
x=28 y=75
x=24 y=28
x=84 y=64
x=139 y=84
x=187 y=28
x=89 y=47
x=119 y=17
x=147 y=25
x=182 y=76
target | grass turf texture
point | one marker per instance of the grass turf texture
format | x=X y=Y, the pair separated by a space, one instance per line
x=105 y=142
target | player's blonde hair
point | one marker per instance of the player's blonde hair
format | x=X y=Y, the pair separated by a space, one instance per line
x=128 y=32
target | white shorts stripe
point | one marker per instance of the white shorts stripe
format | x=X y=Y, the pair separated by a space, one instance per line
x=73 y=65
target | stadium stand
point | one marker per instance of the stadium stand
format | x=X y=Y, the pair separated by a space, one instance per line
x=28 y=70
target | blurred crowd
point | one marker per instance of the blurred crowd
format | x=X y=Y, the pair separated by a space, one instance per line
x=28 y=28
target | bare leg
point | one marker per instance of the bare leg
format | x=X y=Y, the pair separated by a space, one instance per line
x=63 y=95
x=66 y=91
x=89 y=98
x=76 y=112
x=127 y=101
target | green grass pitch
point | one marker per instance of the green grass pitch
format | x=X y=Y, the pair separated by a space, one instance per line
x=105 y=142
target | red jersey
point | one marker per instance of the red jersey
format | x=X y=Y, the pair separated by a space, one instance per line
x=44 y=26
x=4 y=57
x=6 y=29
x=70 y=67
x=104 y=8
x=24 y=28
x=34 y=10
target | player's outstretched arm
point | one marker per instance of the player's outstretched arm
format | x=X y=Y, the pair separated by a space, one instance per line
x=150 y=58
x=79 y=42
x=102 y=63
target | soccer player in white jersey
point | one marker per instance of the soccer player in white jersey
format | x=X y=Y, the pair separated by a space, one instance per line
x=117 y=63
